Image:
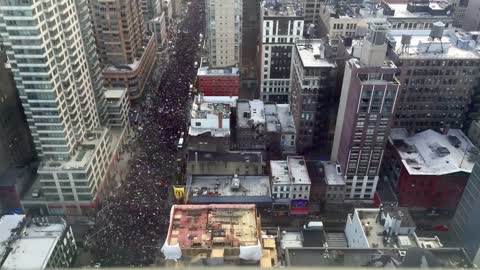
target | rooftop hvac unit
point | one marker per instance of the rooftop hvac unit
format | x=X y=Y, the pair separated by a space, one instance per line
x=235 y=182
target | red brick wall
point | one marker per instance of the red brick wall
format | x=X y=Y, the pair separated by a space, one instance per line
x=218 y=85
x=428 y=191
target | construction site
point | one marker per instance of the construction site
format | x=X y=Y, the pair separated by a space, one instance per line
x=214 y=235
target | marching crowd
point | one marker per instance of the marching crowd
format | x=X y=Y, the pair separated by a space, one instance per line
x=132 y=226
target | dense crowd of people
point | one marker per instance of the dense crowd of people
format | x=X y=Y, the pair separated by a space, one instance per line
x=132 y=225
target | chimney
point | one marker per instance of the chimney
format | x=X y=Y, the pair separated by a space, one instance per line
x=446 y=128
x=220 y=120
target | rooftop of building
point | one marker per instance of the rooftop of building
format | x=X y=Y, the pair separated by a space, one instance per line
x=279 y=172
x=79 y=162
x=271 y=119
x=283 y=8
x=8 y=224
x=211 y=108
x=250 y=112
x=214 y=132
x=433 y=8
x=270 y=255
x=305 y=237
x=213 y=226
x=298 y=170
x=230 y=100
x=372 y=220
x=278 y=118
x=388 y=67
x=290 y=171
x=228 y=189
x=85 y=150
x=302 y=238
x=82 y=156
x=336 y=239
x=453 y=44
x=285 y=118
x=400 y=213
x=333 y=174
x=247 y=157
x=37 y=250
x=207 y=71
x=312 y=54
x=202 y=109
x=37 y=242
x=433 y=153
x=115 y=93
x=292 y=239
x=376 y=258
x=343 y=10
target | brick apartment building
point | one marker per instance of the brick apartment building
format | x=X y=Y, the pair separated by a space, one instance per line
x=428 y=169
x=218 y=82
x=437 y=77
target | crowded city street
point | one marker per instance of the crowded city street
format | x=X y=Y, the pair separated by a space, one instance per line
x=131 y=227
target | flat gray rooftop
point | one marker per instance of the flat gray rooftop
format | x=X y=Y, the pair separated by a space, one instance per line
x=308 y=257
x=250 y=113
x=284 y=8
x=222 y=186
x=377 y=258
x=248 y=157
x=332 y=177
x=433 y=153
x=312 y=54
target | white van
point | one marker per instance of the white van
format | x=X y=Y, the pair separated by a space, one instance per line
x=180 y=143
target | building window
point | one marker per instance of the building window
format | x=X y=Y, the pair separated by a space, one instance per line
x=62 y=176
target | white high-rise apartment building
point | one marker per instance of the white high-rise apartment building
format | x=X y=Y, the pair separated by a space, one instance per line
x=86 y=29
x=224 y=32
x=44 y=46
x=50 y=47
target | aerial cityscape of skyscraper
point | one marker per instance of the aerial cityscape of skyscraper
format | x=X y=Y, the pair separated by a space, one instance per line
x=267 y=133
